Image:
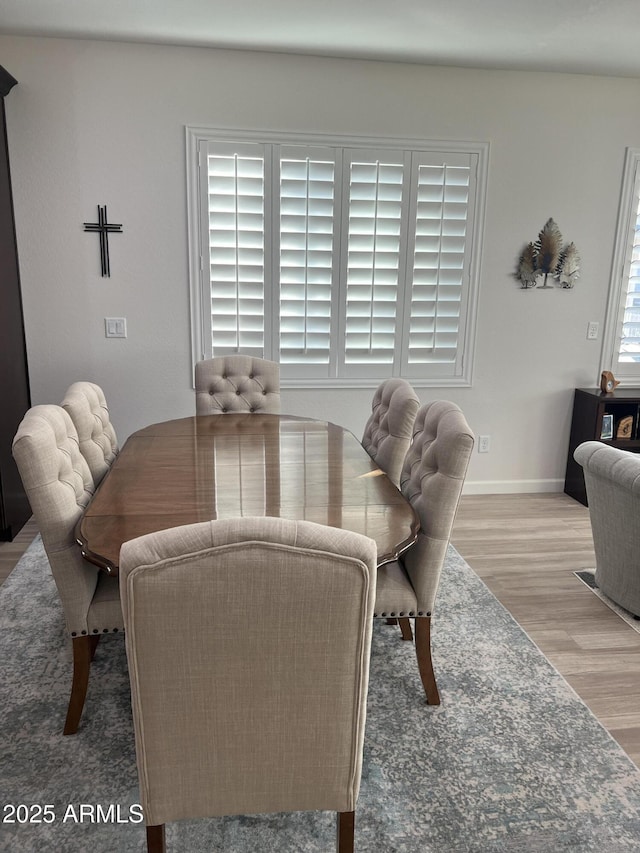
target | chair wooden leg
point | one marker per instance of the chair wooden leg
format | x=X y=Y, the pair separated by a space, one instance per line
x=391 y=621
x=346 y=829
x=425 y=663
x=95 y=639
x=82 y=654
x=405 y=627
x=156 y=839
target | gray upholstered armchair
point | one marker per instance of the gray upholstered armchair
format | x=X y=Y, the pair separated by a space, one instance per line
x=432 y=478
x=237 y=383
x=248 y=644
x=612 y=479
x=59 y=485
x=387 y=433
x=86 y=405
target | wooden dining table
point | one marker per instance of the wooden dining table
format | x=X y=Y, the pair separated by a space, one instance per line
x=243 y=464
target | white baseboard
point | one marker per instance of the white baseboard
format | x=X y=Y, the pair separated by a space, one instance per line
x=511 y=487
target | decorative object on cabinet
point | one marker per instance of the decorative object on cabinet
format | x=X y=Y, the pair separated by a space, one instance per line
x=608 y=382
x=591 y=411
x=625 y=427
x=547 y=257
x=103 y=228
x=607 y=427
x=16 y=397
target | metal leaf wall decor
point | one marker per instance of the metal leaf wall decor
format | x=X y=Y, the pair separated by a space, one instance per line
x=547 y=257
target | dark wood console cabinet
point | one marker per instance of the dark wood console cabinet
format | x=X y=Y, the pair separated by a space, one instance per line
x=590 y=406
x=14 y=379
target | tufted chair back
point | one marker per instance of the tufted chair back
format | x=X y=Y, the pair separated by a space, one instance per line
x=257 y=701
x=387 y=433
x=237 y=383
x=432 y=478
x=59 y=485
x=87 y=407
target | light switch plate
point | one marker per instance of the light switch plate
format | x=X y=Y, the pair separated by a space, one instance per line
x=115 y=327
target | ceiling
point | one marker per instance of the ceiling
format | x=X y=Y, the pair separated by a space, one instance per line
x=579 y=36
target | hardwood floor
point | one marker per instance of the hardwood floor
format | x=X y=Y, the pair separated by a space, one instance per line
x=526 y=548
x=10 y=552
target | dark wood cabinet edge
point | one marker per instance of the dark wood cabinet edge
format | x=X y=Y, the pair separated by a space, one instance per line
x=7 y=82
x=14 y=506
x=586 y=424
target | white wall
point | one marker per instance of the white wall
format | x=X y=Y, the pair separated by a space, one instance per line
x=103 y=123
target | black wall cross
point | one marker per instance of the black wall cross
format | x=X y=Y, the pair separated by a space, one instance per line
x=103 y=228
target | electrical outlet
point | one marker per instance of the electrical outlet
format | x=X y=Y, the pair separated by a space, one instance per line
x=592 y=330
x=484 y=443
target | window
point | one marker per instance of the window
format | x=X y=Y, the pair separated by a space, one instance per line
x=622 y=344
x=347 y=261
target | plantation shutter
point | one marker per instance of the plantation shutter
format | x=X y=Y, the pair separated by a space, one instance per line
x=439 y=248
x=628 y=337
x=236 y=242
x=307 y=260
x=374 y=188
x=347 y=261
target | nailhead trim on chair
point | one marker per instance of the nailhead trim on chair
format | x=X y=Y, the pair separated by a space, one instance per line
x=96 y=631
x=394 y=615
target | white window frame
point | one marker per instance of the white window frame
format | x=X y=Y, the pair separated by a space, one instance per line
x=197 y=212
x=627 y=372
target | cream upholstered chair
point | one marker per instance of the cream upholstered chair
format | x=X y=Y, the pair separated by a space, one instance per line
x=612 y=479
x=59 y=485
x=237 y=383
x=248 y=643
x=432 y=478
x=86 y=405
x=387 y=433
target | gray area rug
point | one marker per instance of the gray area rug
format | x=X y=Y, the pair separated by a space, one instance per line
x=588 y=577
x=511 y=761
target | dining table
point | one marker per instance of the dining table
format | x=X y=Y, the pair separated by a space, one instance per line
x=207 y=467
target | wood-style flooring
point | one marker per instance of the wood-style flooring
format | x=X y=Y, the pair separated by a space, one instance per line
x=526 y=548
x=10 y=552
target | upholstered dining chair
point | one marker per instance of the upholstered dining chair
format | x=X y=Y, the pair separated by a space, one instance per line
x=248 y=643
x=59 y=485
x=387 y=433
x=237 y=383
x=86 y=405
x=432 y=478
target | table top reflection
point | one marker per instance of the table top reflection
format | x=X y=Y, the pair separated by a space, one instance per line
x=225 y=466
